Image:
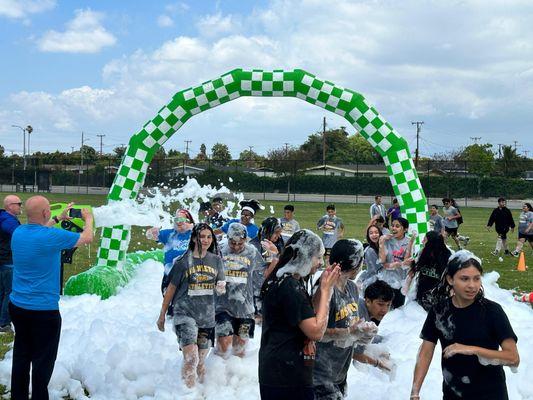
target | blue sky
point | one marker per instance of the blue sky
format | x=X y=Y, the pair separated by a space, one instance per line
x=463 y=67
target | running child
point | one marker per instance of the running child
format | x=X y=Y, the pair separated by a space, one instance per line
x=503 y=220
x=332 y=228
x=525 y=229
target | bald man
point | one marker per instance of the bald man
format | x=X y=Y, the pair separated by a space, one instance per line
x=8 y=223
x=34 y=300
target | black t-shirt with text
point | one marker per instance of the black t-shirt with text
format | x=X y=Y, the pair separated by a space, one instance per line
x=482 y=324
x=283 y=359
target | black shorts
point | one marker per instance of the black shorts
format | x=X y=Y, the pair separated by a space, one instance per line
x=226 y=325
x=451 y=231
x=527 y=236
x=188 y=333
x=502 y=233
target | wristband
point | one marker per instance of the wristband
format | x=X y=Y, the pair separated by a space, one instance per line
x=55 y=219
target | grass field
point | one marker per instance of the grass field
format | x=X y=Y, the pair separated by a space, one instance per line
x=355 y=217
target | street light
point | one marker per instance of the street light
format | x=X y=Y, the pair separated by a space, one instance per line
x=28 y=129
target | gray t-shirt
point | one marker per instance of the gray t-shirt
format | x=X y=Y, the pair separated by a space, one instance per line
x=331 y=227
x=396 y=251
x=333 y=359
x=238 y=269
x=378 y=209
x=436 y=222
x=523 y=222
x=373 y=266
x=288 y=227
x=450 y=212
x=195 y=280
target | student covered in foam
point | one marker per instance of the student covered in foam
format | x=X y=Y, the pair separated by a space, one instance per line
x=290 y=323
x=475 y=335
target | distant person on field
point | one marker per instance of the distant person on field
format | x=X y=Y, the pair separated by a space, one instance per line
x=288 y=224
x=462 y=239
x=8 y=223
x=332 y=228
x=503 y=220
x=393 y=212
x=377 y=208
x=379 y=221
x=34 y=300
x=525 y=228
x=451 y=215
x=436 y=222
x=216 y=219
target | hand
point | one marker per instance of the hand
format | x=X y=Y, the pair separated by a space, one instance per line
x=86 y=214
x=329 y=277
x=268 y=245
x=414 y=235
x=221 y=287
x=384 y=238
x=64 y=215
x=152 y=233
x=457 y=348
x=161 y=322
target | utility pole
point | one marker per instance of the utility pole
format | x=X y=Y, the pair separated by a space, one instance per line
x=475 y=139
x=500 y=149
x=324 y=143
x=101 y=136
x=28 y=129
x=418 y=128
x=526 y=153
x=83 y=140
x=515 y=144
x=286 y=149
x=187 y=146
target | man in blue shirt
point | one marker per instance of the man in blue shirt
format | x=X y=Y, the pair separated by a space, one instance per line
x=34 y=299
x=8 y=223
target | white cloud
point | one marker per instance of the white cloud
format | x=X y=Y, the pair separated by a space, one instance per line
x=84 y=34
x=214 y=25
x=164 y=21
x=23 y=8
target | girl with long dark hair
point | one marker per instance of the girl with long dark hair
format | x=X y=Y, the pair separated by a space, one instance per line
x=290 y=324
x=395 y=256
x=430 y=266
x=371 y=260
x=475 y=335
x=196 y=277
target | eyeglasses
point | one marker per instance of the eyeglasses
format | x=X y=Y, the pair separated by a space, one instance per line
x=16 y=204
x=181 y=219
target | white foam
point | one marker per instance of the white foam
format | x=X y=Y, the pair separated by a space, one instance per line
x=112 y=349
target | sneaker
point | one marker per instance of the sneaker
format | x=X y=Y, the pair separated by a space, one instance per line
x=515 y=253
x=494 y=252
x=6 y=329
x=507 y=252
x=467 y=239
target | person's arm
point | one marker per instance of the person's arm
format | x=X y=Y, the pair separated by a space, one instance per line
x=320 y=224
x=382 y=250
x=490 y=222
x=62 y=217
x=169 y=294
x=423 y=361
x=87 y=235
x=508 y=355
x=511 y=220
x=315 y=327
x=341 y=230
x=9 y=225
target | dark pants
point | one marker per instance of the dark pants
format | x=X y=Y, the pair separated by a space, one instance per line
x=36 y=342
x=6 y=279
x=286 y=393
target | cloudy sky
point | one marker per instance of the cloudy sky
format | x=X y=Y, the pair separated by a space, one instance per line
x=465 y=68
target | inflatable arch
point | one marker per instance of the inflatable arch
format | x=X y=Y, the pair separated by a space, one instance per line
x=114 y=266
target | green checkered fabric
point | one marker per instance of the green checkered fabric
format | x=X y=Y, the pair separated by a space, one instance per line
x=278 y=83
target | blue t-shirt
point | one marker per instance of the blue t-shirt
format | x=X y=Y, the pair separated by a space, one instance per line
x=175 y=243
x=37 y=265
x=252 y=229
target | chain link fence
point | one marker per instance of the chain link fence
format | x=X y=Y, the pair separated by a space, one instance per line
x=440 y=178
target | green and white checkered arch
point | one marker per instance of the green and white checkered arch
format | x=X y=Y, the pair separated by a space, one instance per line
x=298 y=83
